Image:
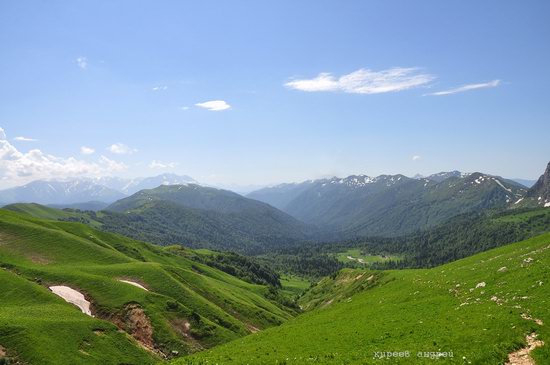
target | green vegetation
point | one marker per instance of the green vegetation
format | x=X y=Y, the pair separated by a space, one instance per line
x=481 y=308
x=190 y=215
x=40 y=328
x=42 y=211
x=198 y=216
x=357 y=256
x=306 y=261
x=462 y=236
x=189 y=305
x=389 y=205
x=294 y=285
x=245 y=268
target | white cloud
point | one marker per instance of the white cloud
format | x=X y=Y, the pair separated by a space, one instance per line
x=121 y=149
x=162 y=165
x=183 y=108
x=82 y=62
x=468 y=87
x=160 y=88
x=416 y=157
x=214 y=105
x=364 y=81
x=24 y=139
x=86 y=150
x=21 y=167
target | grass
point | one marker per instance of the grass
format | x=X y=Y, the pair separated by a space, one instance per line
x=446 y=308
x=521 y=216
x=45 y=330
x=357 y=256
x=37 y=327
x=294 y=285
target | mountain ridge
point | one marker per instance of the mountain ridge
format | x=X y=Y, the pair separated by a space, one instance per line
x=80 y=191
x=390 y=204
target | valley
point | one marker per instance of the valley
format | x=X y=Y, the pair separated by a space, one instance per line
x=136 y=302
x=274 y=182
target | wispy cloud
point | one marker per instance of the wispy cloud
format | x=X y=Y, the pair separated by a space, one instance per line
x=162 y=165
x=24 y=139
x=160 y=88
x=20 y=167
x=86 y=150
x=365 y=81
x=214 y=105
x=416 y=157
x=183 y=108
x=467 y=87
x=121 y=149
x=82 y=62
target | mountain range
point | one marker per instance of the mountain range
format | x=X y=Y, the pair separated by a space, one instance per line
x=169 y=209
x=389 y=205
x=85 y=193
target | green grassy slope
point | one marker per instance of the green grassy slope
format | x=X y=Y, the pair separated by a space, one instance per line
x=189 y=305
x=40 y=328
x=472 y=307
x=192 y=215
x=41 y=211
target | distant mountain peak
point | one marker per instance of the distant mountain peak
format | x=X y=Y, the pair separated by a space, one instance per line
x=444 y=175
x=60 y=192
x=85 y=189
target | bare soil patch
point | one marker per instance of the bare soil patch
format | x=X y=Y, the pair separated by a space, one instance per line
x=522 y=356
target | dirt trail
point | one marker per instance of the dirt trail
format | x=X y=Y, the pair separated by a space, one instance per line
x=521 y=356
x=2 y=352
x=72 y=296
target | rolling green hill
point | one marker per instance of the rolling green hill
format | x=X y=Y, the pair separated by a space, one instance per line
x=198 y=216
x=478 y=309
x=249 y=227
x=43 y=212
x=184 y=304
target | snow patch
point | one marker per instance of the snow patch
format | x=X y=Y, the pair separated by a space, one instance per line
x=72 y=296
x=134 y=284
x=502 y=186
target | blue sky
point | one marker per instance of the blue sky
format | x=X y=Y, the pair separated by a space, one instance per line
x=247 y=92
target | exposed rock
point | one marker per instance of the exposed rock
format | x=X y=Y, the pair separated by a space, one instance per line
x=541 y=190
